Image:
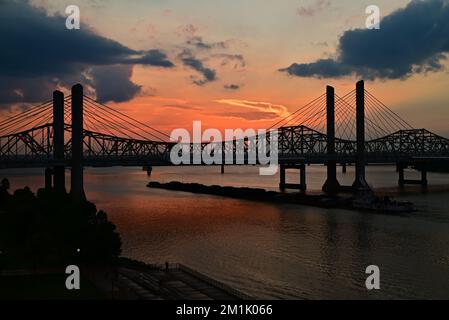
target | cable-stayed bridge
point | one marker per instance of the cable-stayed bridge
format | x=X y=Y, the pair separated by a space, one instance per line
x=357 y=128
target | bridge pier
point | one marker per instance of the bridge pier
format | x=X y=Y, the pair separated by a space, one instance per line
x=223 y=157
x=331 y=186
x=58 y=141
x=360 y=184
x=283 y=185
x=343 y=168
x=77 y=181
x=48 y=178
x=402 y=181
x=302 y=178
x=282 y=177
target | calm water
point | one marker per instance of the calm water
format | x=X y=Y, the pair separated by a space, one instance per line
x=276 y=251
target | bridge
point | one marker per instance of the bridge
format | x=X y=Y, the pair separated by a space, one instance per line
x=76 y=132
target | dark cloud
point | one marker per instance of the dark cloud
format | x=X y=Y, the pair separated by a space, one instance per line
x=231 y=86
x=411 y=40
x=112 y=83
x=198 y=43
x=197 y=53
x=152 y=58
x=323 y=68
x=208 y=75
x=13 y=90
x=236 y=61
x=38 y=53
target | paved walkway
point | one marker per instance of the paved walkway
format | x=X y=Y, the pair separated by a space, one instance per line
x=176 y=283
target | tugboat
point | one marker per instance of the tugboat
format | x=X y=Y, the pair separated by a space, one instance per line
x=370 y=201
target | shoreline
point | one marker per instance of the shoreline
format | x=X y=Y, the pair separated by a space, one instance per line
x=345 y=201
x=258 y=194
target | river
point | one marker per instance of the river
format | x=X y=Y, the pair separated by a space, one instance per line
x=274 y=250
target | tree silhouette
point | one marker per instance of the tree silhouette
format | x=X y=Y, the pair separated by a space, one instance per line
x=49 y=228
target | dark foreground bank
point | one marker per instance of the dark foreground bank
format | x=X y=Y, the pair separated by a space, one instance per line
x=52 y=247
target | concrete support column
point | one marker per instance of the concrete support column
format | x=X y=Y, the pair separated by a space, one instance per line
x=282 y=177
x=48 y=179
x=343 y=168
x=77 y=183
x=58 y=141
x=331 y=186
x=283 y=185
x=403 y=181
x=223 y=157
x=360 y=184
x=400 y=170
x=302 y=178
x=424 y=182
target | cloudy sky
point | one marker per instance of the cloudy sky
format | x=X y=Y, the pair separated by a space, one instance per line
x=231 y=63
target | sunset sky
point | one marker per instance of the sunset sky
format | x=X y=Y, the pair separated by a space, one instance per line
x=169 y=62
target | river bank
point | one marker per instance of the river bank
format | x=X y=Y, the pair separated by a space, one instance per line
x=348 y=201
x=258 y=194
x=275 y=250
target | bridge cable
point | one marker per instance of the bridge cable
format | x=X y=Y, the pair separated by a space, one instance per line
x=19 y=121
x=348 y=114
x=108 y=124
x=390 y=111
x=306 y=112
x=102 y=109
x=23 y=126
x=310 y=114
x=377 y=121
x=351 y=119
x=311 y=109
x=375 y=127
x=342 y=123
x=126 y=116
x=344 y=114
x=89 y=124
x=301 y=108
x=386 y=123
x=394 y=124
x=24 y=113
x=404 y=124
x=115 y=125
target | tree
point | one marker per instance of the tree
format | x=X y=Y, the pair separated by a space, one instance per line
x=5 y=184
x=49 y=227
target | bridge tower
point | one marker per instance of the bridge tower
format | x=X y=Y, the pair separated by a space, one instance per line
x=360 y=184
x=58 y=142
x=331 y=186
x=77 y=183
